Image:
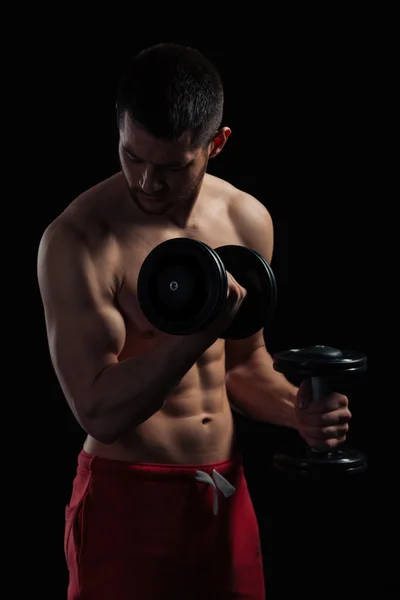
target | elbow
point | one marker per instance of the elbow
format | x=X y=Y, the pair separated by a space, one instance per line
x=97 y=426
x=100 y=431
x=105 y=439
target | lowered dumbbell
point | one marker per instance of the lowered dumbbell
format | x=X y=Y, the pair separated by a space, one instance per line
x=324 y=365
x=182 y=285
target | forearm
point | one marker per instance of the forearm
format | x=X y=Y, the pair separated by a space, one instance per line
x=260 y=392
x=128 y=393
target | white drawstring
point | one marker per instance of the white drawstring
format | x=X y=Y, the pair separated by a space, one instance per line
x=218 y=482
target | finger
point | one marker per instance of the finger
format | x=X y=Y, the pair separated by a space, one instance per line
x=233 y=281
x=336 y=417
x=326 y=445
x=326 y=404
x=326 y=419
x=326 y=433
x=236 y=290
x=332 y=400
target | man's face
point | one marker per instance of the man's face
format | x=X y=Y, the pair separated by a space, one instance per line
x=160 y=174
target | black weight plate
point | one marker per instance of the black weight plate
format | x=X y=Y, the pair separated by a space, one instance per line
x=252 y=272
x=318 y=361
x=181 y=286
x=318 y=464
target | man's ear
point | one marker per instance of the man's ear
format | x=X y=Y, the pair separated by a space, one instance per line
x=219 y=141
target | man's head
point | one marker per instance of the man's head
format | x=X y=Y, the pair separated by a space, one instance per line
x=169 y=107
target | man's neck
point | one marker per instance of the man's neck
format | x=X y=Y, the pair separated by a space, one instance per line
x=183 y=215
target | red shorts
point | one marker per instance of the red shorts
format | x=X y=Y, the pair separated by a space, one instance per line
x=160 y=532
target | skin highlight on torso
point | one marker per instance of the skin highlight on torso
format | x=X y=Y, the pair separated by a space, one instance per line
x=195 y=425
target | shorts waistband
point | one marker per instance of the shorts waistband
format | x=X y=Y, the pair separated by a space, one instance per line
x=98 y=464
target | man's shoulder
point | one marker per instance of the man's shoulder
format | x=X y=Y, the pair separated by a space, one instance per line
x=239 y=202
x=84 y=218
x=250 y=217
x=248 y=211
x=60 y=243
x=67 y=247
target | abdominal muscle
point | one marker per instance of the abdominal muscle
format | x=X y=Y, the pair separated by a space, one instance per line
x=195 y=425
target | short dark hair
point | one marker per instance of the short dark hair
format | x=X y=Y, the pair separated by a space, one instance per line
x=169 y=89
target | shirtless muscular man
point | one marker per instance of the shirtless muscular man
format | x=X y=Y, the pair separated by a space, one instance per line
x=159 y=507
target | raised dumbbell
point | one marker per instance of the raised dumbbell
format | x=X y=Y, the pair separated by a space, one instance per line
x=182 y=285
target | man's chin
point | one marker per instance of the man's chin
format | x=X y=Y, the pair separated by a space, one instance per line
x=151 y=206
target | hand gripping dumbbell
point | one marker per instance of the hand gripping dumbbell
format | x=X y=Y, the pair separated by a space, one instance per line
x=324 y=365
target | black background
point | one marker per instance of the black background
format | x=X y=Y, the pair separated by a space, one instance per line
x=306 y=103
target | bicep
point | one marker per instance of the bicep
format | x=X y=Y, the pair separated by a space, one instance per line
x=85 y=330
x=84 y=342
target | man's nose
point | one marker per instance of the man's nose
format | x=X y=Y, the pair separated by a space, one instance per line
x=150 y=181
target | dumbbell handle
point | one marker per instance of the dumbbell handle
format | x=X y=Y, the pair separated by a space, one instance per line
x=319 y=388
